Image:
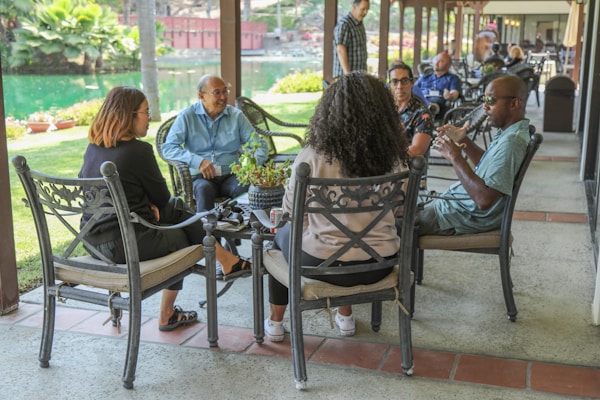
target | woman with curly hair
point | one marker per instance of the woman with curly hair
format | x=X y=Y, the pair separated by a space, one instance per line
x=353 y=133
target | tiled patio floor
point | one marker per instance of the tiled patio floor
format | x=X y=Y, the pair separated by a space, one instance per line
x=569 y=380
x=511 y=375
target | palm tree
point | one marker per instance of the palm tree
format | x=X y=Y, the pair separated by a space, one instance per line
x=147 y=26
x=246 y=13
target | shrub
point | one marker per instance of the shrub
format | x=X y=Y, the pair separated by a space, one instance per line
x=299 y=82
x=85 y=111
x=66 y=114
x=14 y=128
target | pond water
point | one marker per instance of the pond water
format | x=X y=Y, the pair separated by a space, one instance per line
x=25 y=94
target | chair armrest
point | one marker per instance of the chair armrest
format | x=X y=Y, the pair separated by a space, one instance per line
x=265 y=220
x=434 y=195
x=280 y=134
x=135 y=218
x=443 y=178
x=282 y=123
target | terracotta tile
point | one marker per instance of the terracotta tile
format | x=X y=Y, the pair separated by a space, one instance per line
x=94 y=325
x=284 y=349
x=529 y=216
x=427 y=364
x=567 y=159
x=150 y=332
x=230 y=339
x=25 y=310
x=66 y=318
x=492 y=371
x=568 y=380
x=567 y=217
x=351 y=353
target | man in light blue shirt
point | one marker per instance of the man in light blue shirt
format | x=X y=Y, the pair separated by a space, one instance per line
x=208 y=136
x=480 y=194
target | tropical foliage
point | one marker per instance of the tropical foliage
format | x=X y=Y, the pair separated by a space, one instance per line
x=74 y=33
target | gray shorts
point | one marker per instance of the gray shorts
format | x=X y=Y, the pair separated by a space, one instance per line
x=428 y=223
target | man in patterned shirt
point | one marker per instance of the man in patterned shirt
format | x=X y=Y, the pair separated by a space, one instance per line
x=415 y=117
x=350 y=41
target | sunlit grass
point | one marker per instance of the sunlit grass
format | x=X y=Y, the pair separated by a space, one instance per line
x=61 y=153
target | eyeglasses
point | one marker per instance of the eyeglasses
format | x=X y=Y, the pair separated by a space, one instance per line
x=147 y=112
x=491 y=100
x=219 y=93
x=403 y=81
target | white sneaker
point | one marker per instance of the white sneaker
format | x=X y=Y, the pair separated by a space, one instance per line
x=274 y=330
x=346 y=324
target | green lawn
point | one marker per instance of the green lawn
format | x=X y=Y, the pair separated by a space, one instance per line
x=61 y=153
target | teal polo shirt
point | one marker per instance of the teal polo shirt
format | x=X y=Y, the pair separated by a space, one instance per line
x=498 y=167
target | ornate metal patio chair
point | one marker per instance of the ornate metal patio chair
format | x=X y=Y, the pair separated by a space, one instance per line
x=262 y=122
x=474 y=113
x=179 y=172
x=70 y=273
x=327 y=198
x=458 y=116
x=498 y=242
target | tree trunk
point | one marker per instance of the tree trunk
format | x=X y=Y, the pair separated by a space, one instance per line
x=246 y=14
x=147 y=25
x=208 y=8
x=126 y=11
x=161 y=8
x=87 y=68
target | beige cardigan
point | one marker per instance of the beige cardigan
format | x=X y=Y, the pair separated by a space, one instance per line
x=320 y=237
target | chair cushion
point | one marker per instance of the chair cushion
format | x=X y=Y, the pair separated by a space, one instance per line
x=313 y=289
x=152 y=272
x=483 y=240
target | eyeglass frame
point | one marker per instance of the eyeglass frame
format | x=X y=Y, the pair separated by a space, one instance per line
x=491 y=100
x=403 y=81
x=219 y=93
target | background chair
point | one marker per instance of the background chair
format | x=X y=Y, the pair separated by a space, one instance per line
x=262 y=121
x=458 y=116
x=532 y=79
x=496 y=242
x=69 y=273
x=179 y=172
x=329 y=197
x=475 y=115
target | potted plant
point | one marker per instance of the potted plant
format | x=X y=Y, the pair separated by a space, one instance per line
x=265 y=181
x=65 y=118
x=39 y=121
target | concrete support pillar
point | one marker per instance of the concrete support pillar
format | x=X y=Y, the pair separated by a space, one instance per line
x=231 y=47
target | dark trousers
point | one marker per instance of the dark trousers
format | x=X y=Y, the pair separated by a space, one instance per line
x=154 y=243
x=279 y=294
x=207 y=191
